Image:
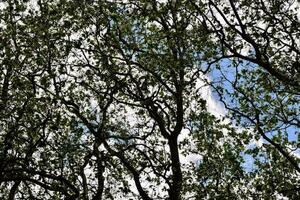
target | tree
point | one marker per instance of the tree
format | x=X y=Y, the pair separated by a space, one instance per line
x=259 y=85
x=266 y=34
x=102 y=100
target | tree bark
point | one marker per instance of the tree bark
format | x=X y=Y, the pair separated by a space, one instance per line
x=176 y=187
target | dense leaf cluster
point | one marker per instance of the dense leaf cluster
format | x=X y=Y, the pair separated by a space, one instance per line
x=105 y=99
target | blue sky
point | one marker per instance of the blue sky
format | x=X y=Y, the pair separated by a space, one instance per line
x=229 y=72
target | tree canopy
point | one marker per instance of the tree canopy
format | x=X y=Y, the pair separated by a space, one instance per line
x=106 y=99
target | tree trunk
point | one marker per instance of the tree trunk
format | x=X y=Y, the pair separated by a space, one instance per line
x=175 y=188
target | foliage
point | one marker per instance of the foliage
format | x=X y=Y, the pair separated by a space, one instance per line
x=104 y=99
